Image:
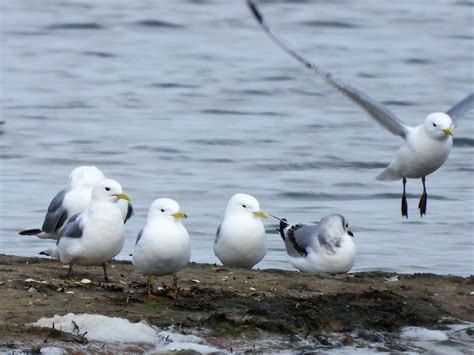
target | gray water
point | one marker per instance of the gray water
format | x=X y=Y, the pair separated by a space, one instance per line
x=190 y=100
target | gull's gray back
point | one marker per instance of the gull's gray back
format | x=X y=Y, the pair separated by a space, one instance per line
x=299 y=238
x=56 y=215
x=73 y=228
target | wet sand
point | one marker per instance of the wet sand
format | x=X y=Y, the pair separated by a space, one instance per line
x=227 y=303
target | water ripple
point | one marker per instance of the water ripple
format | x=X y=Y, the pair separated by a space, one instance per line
x=331 y=24
x=76 y=26
x=158 y=24
x=463 y=142
x=321 y=165
x=305 y=195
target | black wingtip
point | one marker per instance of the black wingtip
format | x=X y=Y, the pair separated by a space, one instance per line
x=30 y=232
x=255 y=11
x=42 y=253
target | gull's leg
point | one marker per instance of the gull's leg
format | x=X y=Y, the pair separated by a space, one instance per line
x=69 y=271
x=404 y=200
x=149 y=282
x=423 y=199
x=104 y=266
x=174 y=288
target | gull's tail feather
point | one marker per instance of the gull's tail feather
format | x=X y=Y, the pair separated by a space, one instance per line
x=281 y=228
x=52 y=252
x=39 y=233
x=30 y=232
x=388 y=175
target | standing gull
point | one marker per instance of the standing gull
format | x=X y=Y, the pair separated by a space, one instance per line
x=323 y=247
x=426 y=147
x=163 y=246
x=96 y=235
x=68 y=202
x=73 y=200
x=240 y=239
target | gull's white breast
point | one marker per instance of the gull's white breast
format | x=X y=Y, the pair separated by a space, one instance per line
x=102 y=238
x=242 y=241
x=163 y=249
x=320 y=260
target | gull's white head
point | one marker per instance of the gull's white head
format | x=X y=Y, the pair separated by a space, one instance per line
x=336 y=225
x=108 y=190
x=85 y=176
x=246 y=205
x=165 y=208
x=438 y=125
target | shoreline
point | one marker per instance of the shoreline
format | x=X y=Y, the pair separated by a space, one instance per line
x=227 y=302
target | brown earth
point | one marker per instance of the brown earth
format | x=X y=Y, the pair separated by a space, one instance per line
x=227 y=302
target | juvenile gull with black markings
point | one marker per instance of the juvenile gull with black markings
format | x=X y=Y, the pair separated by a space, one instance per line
x=96 y=235
x=324 y=247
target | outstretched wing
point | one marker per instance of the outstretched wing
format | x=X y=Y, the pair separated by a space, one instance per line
x=56 y=215
x=458 y=110
x=375 y=109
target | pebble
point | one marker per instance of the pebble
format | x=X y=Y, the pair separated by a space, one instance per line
x=195 y=281
x=85 y=281
x=32 y=290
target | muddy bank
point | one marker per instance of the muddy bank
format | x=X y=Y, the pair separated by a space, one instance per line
x=227 y=302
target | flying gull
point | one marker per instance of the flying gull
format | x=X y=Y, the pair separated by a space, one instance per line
x=426 y=146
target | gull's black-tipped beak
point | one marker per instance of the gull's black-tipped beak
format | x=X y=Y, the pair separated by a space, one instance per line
x=350 y=233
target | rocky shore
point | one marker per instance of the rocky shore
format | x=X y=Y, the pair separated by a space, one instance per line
x=227 y=303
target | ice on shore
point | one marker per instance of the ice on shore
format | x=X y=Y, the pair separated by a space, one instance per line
x=119 y=330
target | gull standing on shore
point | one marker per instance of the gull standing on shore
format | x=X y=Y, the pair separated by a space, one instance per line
x=96 y=235
x=163 y=246
x=73 y=200
x=323 y=247
x=426 y=146
x=240 y=239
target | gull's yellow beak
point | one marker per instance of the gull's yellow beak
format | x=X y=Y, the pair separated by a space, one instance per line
x=260 y=214
x=179 y=215
x=123 y=196
x=448 y=131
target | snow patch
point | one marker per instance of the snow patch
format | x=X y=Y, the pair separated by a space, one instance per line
x=119 y=330
x=422 y=334
x=101 y=328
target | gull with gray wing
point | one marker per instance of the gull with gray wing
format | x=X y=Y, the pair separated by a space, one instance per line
x=96 y=235
x=163 y=246
x=324 y=247
x=73 y=200
x=426 y=146
x=240 y=239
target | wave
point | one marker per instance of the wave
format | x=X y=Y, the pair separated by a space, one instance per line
x=76 y=26
x=158 y=24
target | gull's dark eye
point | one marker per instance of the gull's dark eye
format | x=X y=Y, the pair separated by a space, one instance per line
x=162 y=210
x=347 y=225
x=434 y=124
x=244 y=206
x=107 y=189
